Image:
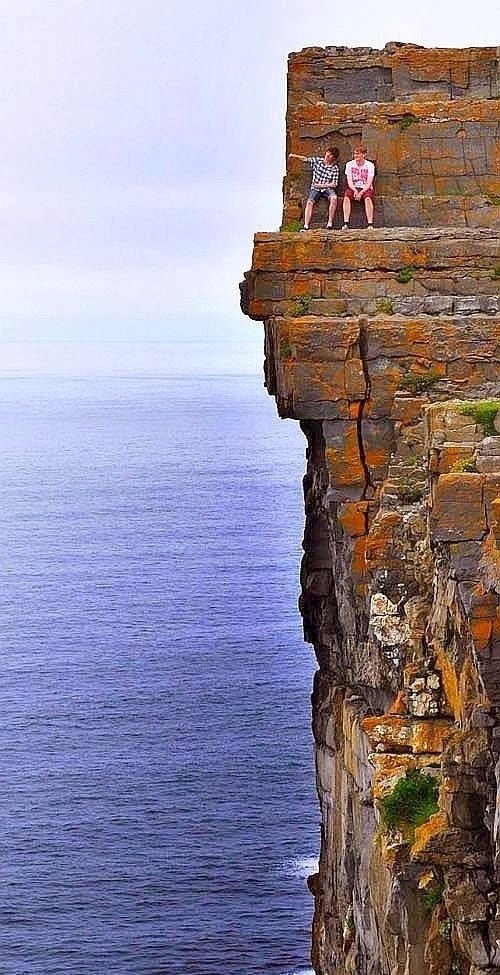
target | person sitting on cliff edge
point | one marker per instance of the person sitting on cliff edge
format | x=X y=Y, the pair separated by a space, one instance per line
x=324 y=182
x=360 y=173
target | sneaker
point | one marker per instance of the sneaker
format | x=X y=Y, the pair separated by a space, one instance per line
x=303 y=229
x=369 y=226
x=345 y=226
x=329 y=226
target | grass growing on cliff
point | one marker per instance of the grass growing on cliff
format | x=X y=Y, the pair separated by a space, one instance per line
x=407 y=120
x=412 y=801
x=419 y=382
x=464 y=467
x=431 y=898
x=292 y=227
x=385 y=306
x=484 y=412
x=405 y=275
x=302 y=305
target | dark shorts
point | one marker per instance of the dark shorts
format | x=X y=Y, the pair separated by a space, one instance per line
x=317 y=194
x=367 y=195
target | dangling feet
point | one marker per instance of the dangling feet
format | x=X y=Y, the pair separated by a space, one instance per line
x=345 y=226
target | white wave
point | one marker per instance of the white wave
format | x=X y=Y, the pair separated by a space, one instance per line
x=301 y=867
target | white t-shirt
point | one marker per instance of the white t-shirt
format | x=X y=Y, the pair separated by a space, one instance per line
x=360 y=176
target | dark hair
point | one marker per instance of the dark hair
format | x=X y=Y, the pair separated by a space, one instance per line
x=334 y=151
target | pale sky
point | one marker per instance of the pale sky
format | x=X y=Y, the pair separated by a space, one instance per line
x=143 y=144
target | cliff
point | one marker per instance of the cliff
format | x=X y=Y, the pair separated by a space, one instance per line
x=385 y=345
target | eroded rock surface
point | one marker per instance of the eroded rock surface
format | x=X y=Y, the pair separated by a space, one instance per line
x=385 y=345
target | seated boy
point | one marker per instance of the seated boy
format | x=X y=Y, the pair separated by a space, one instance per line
x=324 y=182
x=360 y=173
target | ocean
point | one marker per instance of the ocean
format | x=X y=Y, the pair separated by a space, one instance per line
x=158 y=806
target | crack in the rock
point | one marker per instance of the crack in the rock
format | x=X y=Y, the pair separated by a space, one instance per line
x=363 y=354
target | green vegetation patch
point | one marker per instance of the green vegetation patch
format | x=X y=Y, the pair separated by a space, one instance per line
x=410 y=493
x=419 y=382
x=302 y=305
x=484 y=412
x=407 y=120
x=385 y=306
x=493 y=199
x=495 y=272
x=412 y=802
x=405 y=275
x=292 y=227
x=431 y=898
x=286 y=351
x=464 y=466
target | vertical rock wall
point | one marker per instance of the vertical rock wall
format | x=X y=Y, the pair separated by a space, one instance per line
x=385 y=345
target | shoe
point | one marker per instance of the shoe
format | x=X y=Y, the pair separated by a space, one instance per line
x=345 y=226
x=329 y=226
x=303 y=229
x=369 y=226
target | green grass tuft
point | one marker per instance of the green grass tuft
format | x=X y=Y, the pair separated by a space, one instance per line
x=419 y=382
x=412 y=801
x=385 y=306
x=464 y=467
x=431 y=898
x=407 y=120
x=483 y=411
x=302 y=305
x=292 y=227
x=405 y=275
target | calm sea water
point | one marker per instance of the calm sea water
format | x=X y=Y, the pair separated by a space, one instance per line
x=158 y=813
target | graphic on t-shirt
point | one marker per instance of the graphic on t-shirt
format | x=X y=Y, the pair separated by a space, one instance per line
x=359 y=176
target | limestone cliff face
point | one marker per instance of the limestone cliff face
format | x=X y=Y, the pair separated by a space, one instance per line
x=385 y=345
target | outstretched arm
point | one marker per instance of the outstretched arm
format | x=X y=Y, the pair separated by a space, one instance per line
x=293 y=155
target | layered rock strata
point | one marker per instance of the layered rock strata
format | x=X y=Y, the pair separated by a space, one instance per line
x=385 y=345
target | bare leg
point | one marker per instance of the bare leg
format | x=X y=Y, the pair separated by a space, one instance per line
x=308 y=213
x=347 y=209
x=369 y=209
x=331 y=210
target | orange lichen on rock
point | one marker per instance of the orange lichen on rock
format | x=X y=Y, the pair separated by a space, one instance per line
x=353 y=517
x=344 y=463
x=381 y=538
x=458 y=511
x=396 y=733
